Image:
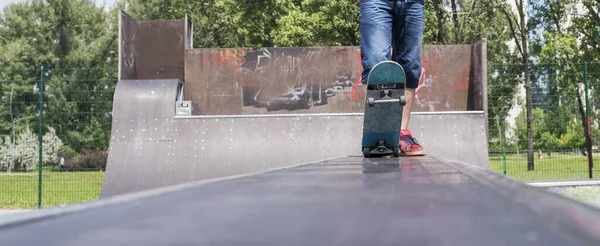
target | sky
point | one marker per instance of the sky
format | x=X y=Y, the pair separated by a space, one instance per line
x=3 y=3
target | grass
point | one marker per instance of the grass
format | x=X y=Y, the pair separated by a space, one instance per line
x=559 y=166
x=20 y=190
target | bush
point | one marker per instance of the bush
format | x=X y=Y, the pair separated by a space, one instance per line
x=88 y=160
x=68 y=153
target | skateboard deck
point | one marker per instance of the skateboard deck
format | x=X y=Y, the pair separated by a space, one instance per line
x=383 y=110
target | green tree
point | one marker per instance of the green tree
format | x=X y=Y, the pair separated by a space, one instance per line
x=519 y=29
x=317 y=23
x=76 y=42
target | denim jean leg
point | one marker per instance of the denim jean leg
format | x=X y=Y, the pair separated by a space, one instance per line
x=376 y=18
x=408 y=39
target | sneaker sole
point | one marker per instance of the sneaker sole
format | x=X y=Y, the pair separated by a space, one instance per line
x=411 y=153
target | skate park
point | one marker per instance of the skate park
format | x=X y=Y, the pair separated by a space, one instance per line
x=204 y=141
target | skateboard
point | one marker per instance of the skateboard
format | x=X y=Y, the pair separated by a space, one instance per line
x=383 y=110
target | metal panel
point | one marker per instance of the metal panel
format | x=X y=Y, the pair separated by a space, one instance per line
x=152 y=49
x=185 y=149
x=141 y=132
x=346 y=201
x=322 y=80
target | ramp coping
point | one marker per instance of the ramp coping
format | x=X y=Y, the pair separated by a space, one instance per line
x=316 y=115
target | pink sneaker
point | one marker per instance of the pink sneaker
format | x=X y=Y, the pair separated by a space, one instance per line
x=409 y=145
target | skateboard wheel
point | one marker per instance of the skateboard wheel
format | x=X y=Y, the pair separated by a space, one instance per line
x=366 y=152
x=402 y=100
x=396 y=151
x=371 y=101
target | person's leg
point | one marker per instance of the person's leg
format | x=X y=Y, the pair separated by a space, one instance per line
x=408 y=43
x=376 y=19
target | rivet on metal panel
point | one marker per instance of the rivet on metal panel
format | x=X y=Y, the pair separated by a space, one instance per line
x=123 y=136
x=175 y=129
x=216 y=119
x=203 y=132
x=231 y=129
x=196 y=140
x=143 y=119
x=167 y=129
x=203 y=120
x=150 y=139
x=231 y=119
x=116 y=130
x=186 y=120
x=202 y=140
x=202 y=147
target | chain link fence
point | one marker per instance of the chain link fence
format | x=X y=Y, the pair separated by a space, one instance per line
x=559 y=121
x=77 y=106
x=56 y=156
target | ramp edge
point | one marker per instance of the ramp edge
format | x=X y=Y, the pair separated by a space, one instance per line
x=578 y=220
x=48 y=213
x=317 y=115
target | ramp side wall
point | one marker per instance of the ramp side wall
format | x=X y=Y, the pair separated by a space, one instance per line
x=150 y=148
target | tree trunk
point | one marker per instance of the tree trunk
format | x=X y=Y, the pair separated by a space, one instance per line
x=457 y=38
x=530 y=159
x=529 y=101
x=439 y=13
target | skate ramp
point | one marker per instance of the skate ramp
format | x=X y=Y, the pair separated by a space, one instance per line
x=151 y=147
x=341 y=201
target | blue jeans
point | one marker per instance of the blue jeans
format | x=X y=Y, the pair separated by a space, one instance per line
x=392 y=30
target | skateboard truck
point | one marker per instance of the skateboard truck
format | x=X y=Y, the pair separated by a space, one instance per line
x=386 y=100
x=381 y=149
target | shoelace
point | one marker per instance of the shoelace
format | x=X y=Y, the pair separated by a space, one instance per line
x=410 y=140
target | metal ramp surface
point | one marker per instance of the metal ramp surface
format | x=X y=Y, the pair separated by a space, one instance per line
x=343 y=201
